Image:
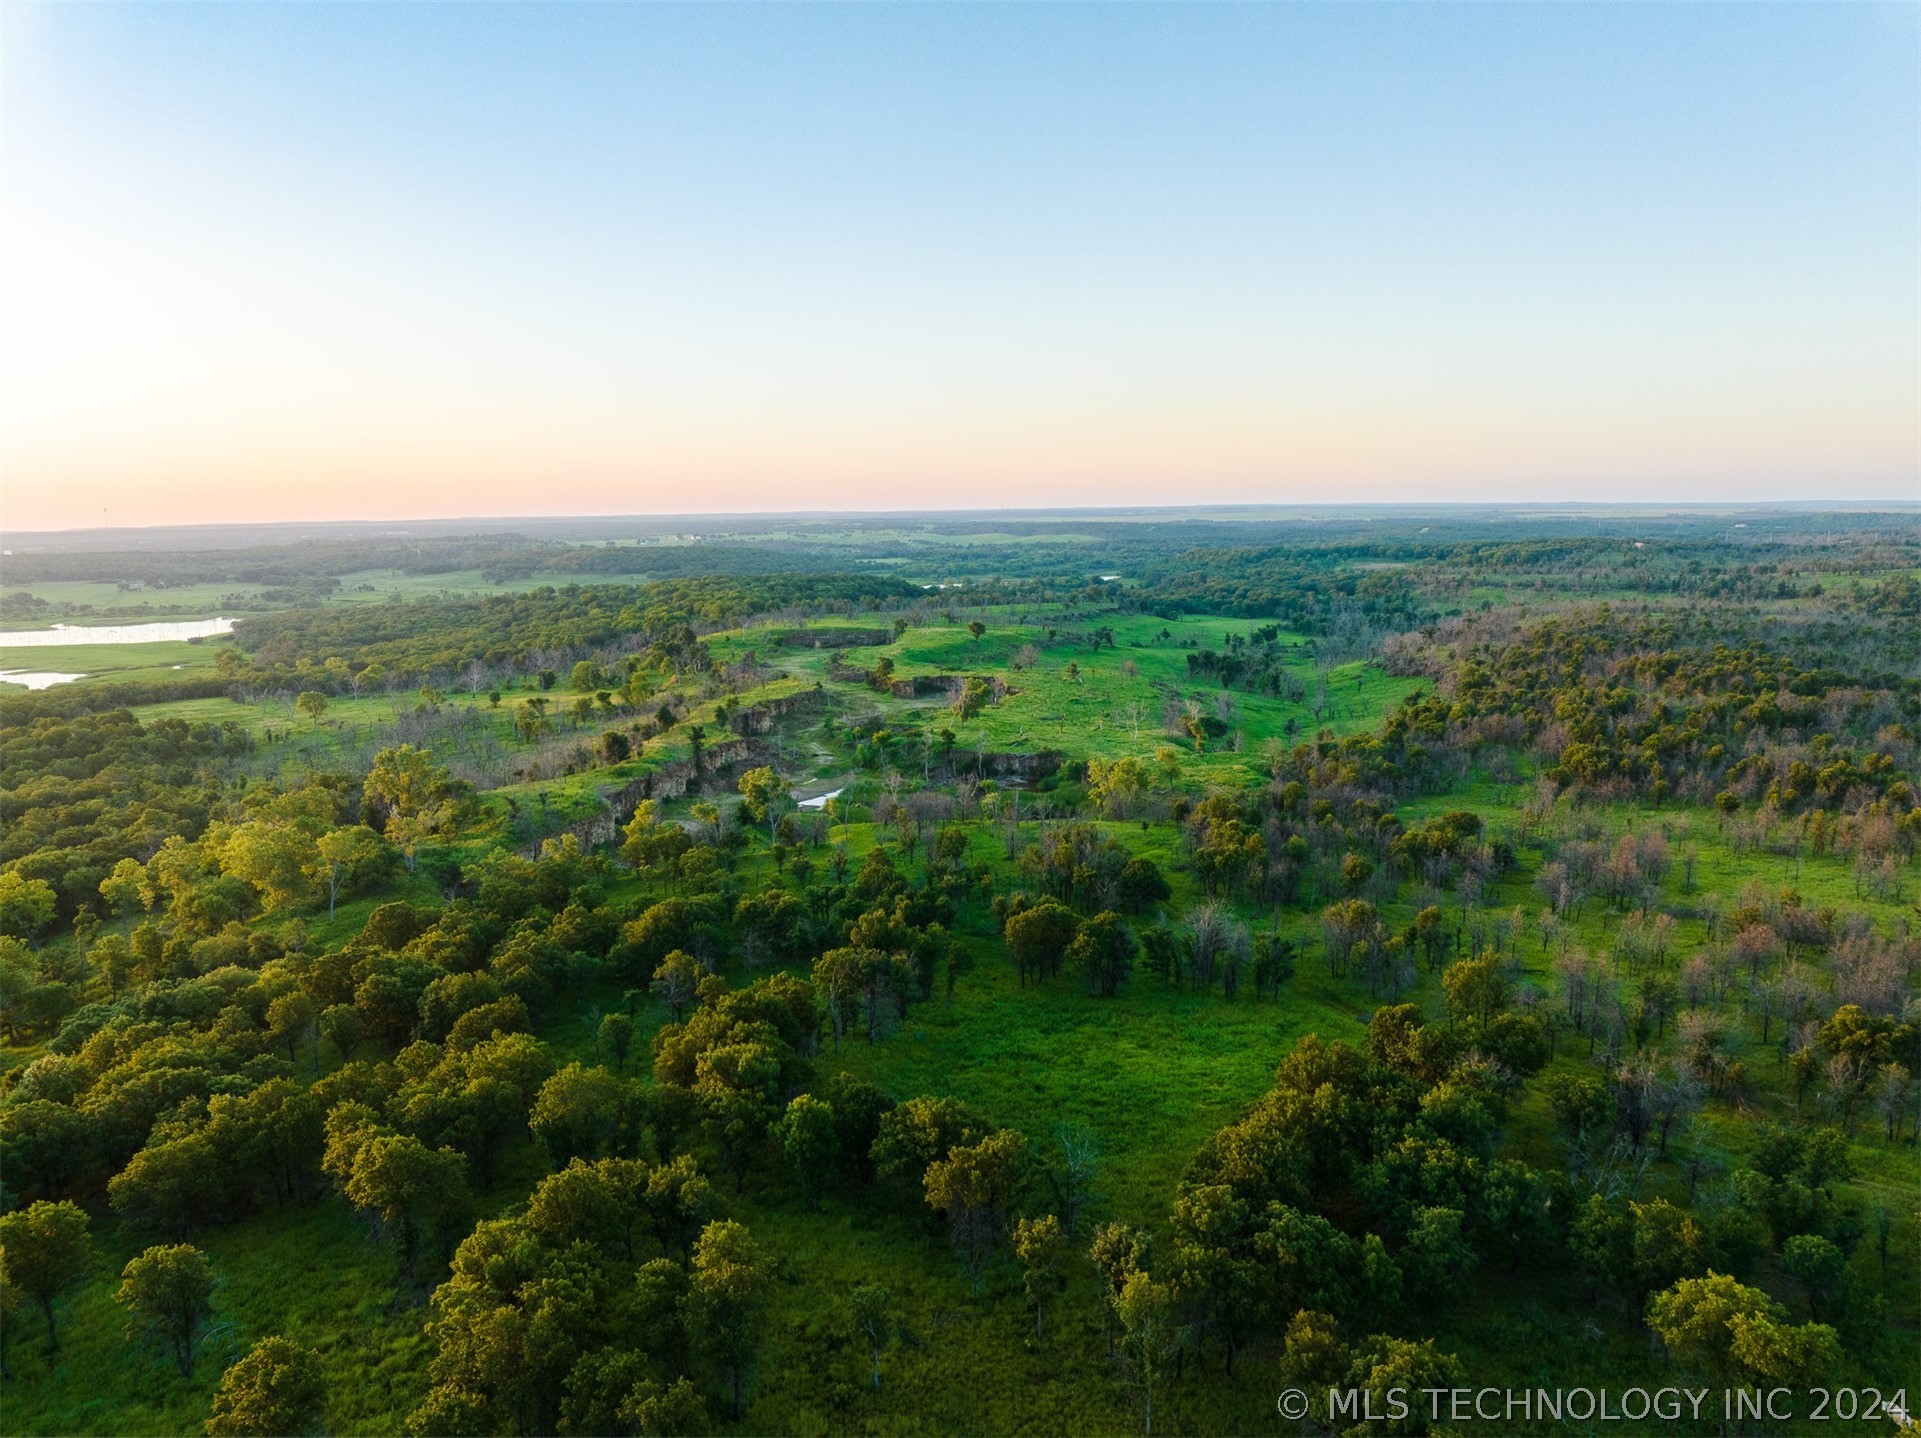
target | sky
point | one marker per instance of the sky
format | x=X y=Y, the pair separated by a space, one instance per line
x=330 y=261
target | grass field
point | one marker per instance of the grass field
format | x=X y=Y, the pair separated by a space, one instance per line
x=158 y=660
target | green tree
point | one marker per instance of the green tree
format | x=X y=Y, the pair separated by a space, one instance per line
x=46 y=1250
x=676 y=981
x=9 y=1305
x=126 y=888
x=1734 y=1332
x=1475 y=989
x=665 y=1411
x=411 y=794
x=1437 y=1258
x=27 y=906
x=727 y=1304
x=276 y=858
x=1037 y=937
x=1118 y=1251
x=1104 y=950
x=870 y=1312
x=168 y=1294
x=975 y=1186
x=1383 y=1364
x=1150 y=1338
x=168 y=1185
x=1312 y=1355
x=677 y=1202
x=313 y=704
x=764 y=797
x=921 y=1131
x=276 y=1391
x=1037 y=1243
x=1820 y=1267
x=616 y=1035
x=415 y=1193
x=344 y=853
x=809 y=1139
x=578 y=1113
x=977 y=629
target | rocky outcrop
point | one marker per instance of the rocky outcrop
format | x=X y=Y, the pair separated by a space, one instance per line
x=719 y=763
x=946 y=686
x=833 y=638
x=1027 y=767
x=760 y=718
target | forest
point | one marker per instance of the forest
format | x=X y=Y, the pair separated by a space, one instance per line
x=1093 y=973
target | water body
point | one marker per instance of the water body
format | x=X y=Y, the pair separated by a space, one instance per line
x=37 y=679
x=819 y=801
x=66 y=634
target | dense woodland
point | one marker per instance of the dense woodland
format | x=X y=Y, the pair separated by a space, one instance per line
x=1084 y=976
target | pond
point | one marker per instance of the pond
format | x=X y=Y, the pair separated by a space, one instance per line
x=37 y=679
x=66 y=634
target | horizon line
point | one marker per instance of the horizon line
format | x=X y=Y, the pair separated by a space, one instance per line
x=1864 y=505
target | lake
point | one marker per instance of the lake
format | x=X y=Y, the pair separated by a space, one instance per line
x=65 y=634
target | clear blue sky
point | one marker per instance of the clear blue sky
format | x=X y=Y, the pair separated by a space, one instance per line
x=337 y=260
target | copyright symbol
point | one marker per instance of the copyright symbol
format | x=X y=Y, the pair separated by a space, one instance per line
x=1292 y=1403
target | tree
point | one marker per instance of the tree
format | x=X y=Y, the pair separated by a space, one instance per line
x=313 y=704
x=1736 y=1332
x=808 y=1137
x=127 y=888
x=343 y=854
x=1038 y=936
x=764 y=797
x=919 y=1132
x=9 y=1303
x=665 y=1412
x=412 y=1191
x=1037 y=1243
x=26 y=905
x=871 y=1315
x=976 y=628
x=1437 y=1258
x=168 y=1186
x=1142 y=884
x=168 y=1293
x=276 y=858
x=616 y=1033
x=1475 y=989
x=46 y=1250
x=1117 y=1251
x=677 y=1201
x=727 y=1303
x=411 y=794
x=1820 y=1267
x=1384 y=1364
x=1313 y=1355
x=1150 y=1337
x=578 y=1113
x=1080 y=1150
x=974 y=1186
x=291 y=1020
x=676 y=981
x=276 y=1391
x=1104 y=950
